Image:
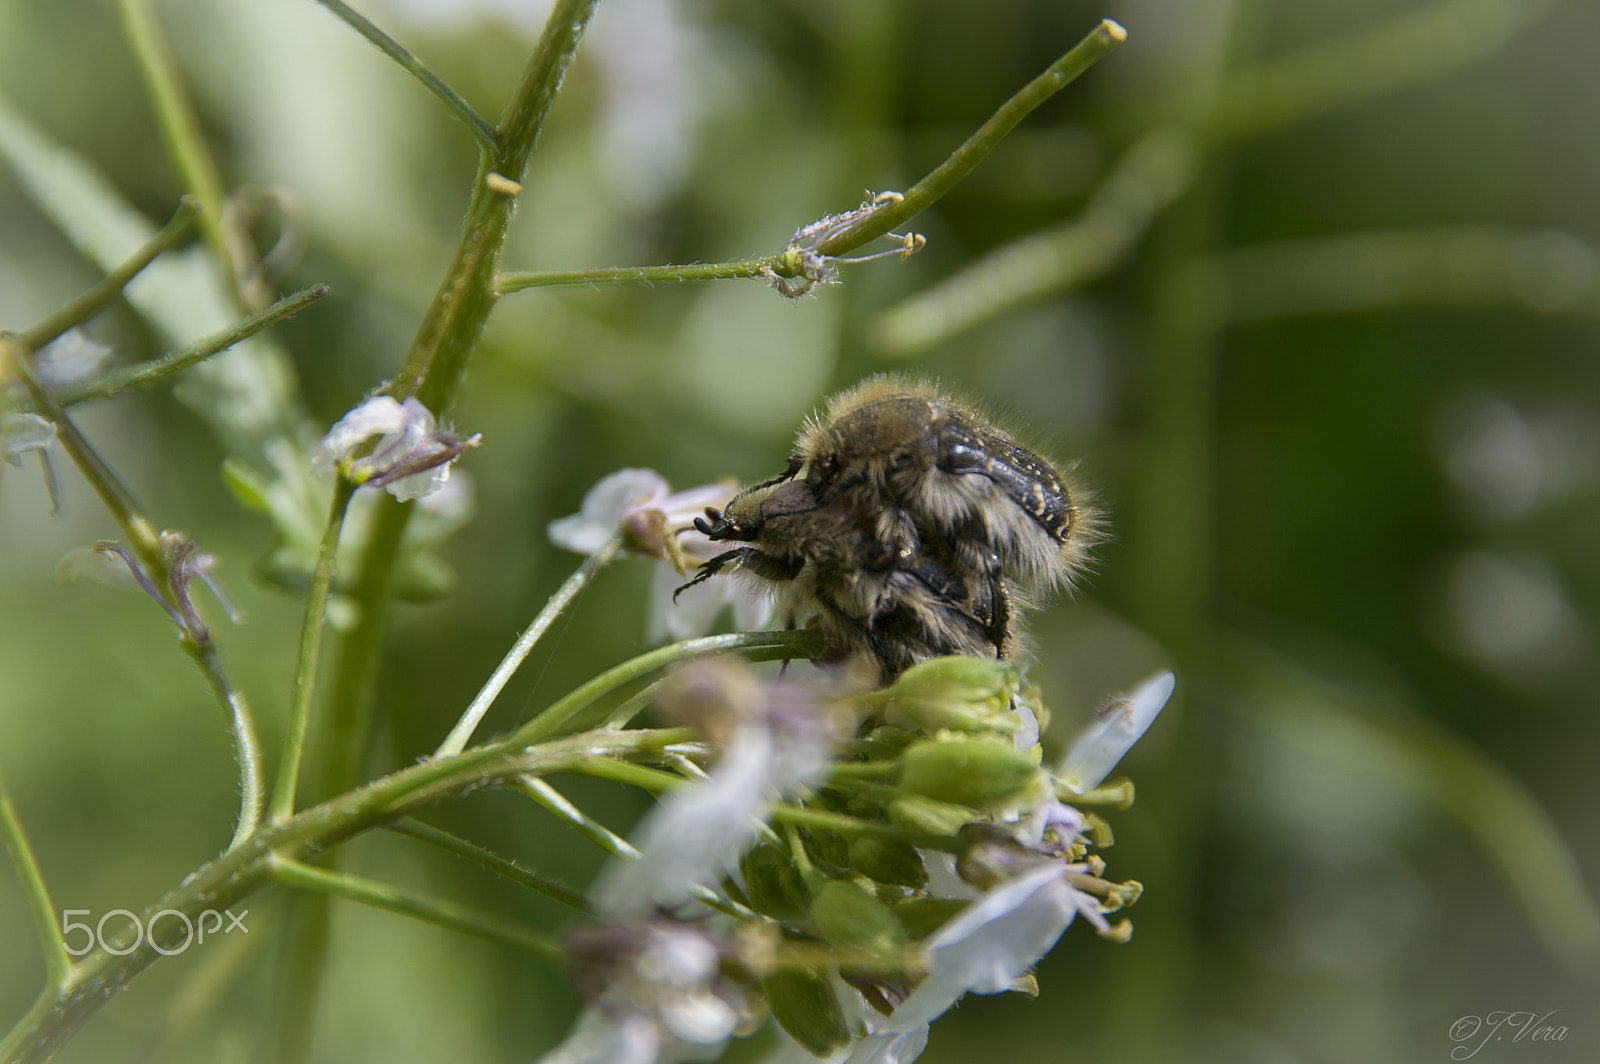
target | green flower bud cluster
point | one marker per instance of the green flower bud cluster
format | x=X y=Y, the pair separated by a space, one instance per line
x=935 y=766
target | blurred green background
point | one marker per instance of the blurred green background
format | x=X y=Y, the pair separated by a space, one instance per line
x=1313 y=297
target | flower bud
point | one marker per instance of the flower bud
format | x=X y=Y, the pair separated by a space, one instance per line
x=846 y=914
x=807 y=1008
x=955 y=693
x=994 y=857
x=981 y=773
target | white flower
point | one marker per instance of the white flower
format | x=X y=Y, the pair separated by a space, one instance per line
x=1114 y=731
x=69 y=358
x=656 y=991
x=780 y=739
x=984 y=949
x=412 y=457
x=661 y=525
x=599 y=1039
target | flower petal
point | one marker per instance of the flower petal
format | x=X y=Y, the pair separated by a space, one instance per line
x=990 y=944
x=694 y=836
x=382 y=415
x=598 y=1039
x=1103 y=743
x=21 y=433
x=603 y=507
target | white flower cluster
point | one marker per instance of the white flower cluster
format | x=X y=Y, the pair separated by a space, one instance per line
x=1022 y=879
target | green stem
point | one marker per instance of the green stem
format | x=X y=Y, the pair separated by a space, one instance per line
x=656 y=781
x=542 y=792
x=758 y=646
x=431 y=371
x=461 y=734
x=343 y=741
x=141 y=534
x=480 y=127
x=433 y=366
x=149 y=374
x=180 y=126
x=312 y=624
x=948 y=174
x=652 y=780
x=246 y=741
x=406 y=903
x=57 y=961
x=490 y=861
x=82 y=308
x=715 y=271
x=623 y=715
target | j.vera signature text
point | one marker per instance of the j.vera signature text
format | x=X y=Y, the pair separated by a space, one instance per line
x=1472 y=1033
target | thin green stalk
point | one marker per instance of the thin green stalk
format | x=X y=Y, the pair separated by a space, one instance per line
x=146 y=546
x=948 y=174
x=480 y=127
x=876 y=223
x=149 y=374
x=141 y=534
x=715 y=271
x=406 y=903
x=246 y=742
x=57 y=961
x=490 y=861
x=542 y=792
x=546 y=795
x=312 y=624
x=433 y=366
x=343 y=740
x=461 y=734
x=632 y=707
x=180 y=126
x=656 y=781
x=85 y=306
x=758 y=646
x=431 y=371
